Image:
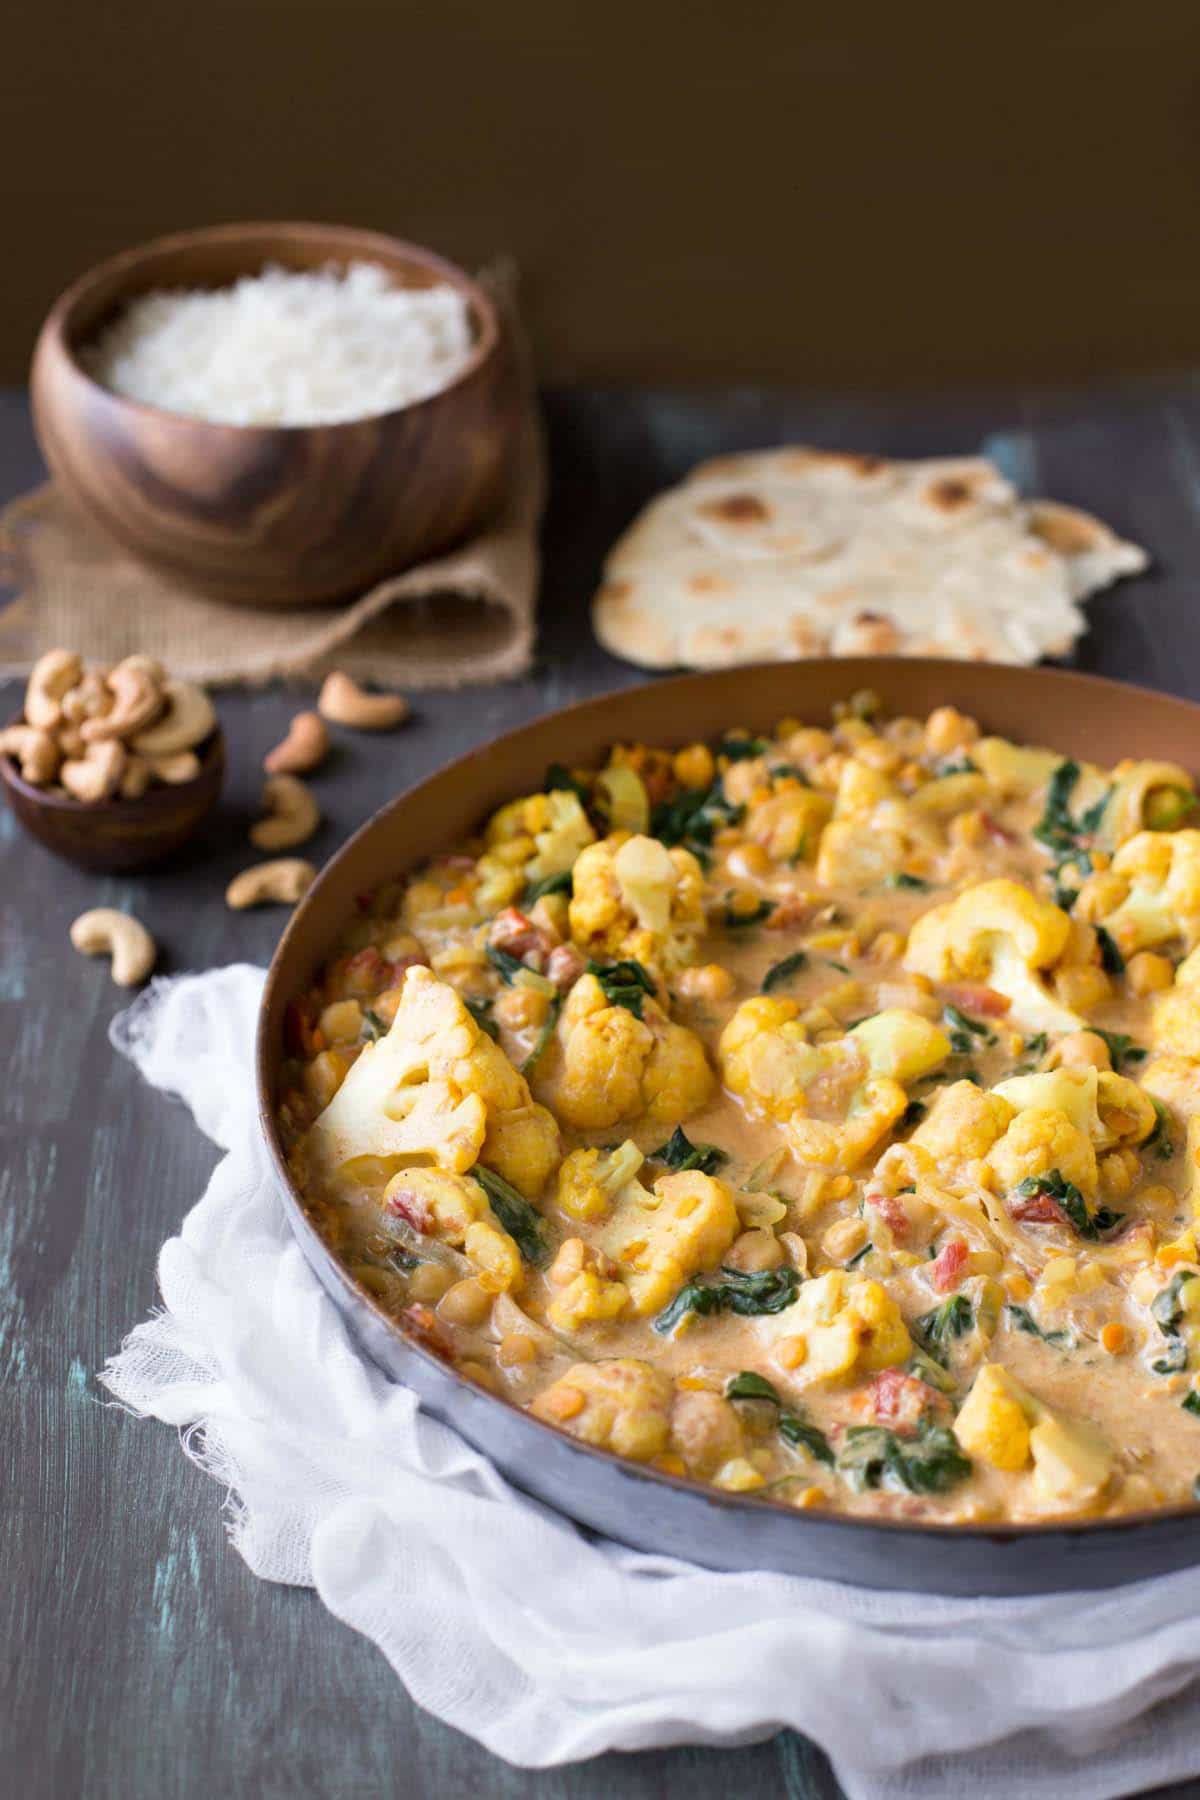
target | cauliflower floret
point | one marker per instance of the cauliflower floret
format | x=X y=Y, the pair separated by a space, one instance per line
x=605 y=1065
x=587 y=1292
x=1000 y=933
x=765 y=1057
x=1176 y=1013
x=788 y=825
x=588 y=1180
x=689 y=1225
x=900 y=1044
x=621 y=1404
x=1162 y=870
x=846 y=1326
x=1108 y=1108
x=1038 y=1140
x=1013 y=769
x=873 y=833
x=993 y=1421
x=436 y=1089
x=635 y=899
x=963 y=1123
x=840 y=1146
x=555 y=825
x=1153 y=796
x=456 y=1211
x=1002 y=1423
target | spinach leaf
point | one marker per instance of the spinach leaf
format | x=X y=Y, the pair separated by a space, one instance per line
x=549 y=884
x=1173 y=1360
x=544 y=1035
x=1166 y=1308
x=1111 y=960
x=1191 y=1401
x=901 y=880
x=624 y=983
x=480 y=1010
x=505 y=964
x=519 y=1217
x=873 y=1457
x=1067 y=838
x=739 y=1291
x=746 y=921
x=841 y=967
x=373 y=1026
x=1121 y=1047
x=793 y=1427
x=798 y=1431
x=680 y=1153
x=751 y=1386
x=783 y=971
x=560 y=780
x=913 y=1113
x=859 y=1256
x=1024 y=1321
x=693 y=817
x=741 y=749
x=963 y=1030
x=964 y=766
x=935 y=1331
x=1160 y=1140
x=1071 y=1203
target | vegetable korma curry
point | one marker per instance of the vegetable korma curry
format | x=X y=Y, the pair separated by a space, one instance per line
x=814 y=1116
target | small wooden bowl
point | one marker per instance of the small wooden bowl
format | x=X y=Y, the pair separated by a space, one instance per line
x=273 y=515
x=113 y=835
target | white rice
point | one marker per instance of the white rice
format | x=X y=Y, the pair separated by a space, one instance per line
x=286 y=349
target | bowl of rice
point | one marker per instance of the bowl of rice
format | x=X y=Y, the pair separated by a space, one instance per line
x=277 y=414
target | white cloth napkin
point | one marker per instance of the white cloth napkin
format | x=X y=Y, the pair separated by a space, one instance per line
x=545 y=1644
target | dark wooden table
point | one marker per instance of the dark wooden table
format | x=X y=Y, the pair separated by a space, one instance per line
x=139 y=1659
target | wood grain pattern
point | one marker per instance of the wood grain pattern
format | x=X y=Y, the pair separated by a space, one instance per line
x=141 y=1659
x=268 y=516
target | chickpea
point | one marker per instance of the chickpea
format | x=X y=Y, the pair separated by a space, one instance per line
x=1082 y=987
x=1080 y=1050
x=709 y=982
x=694 y=767
x=947 y=729
x=429 y=1282
x=342 y=1022
x=516 y=1347
x=1099 y=895
x=749 y=860
x=1148 y=973
x=844 y=1239
x=521 y=1007
x=1118 y=1172
x=968 y=830
x=754 y=1250
x=466 y=1303
x=878 y=754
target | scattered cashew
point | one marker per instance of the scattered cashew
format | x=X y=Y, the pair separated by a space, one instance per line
x=137 y=702
x=34 y=750
x=303 y=749
x=136 y=779
x=294 y=814
x=187 y=721
x=343 y=701
x=89 y=698
x=183 y=765
x=281 y=882
x=50 y=678
x=96 y=775
x=104 y=930
x=70 y=741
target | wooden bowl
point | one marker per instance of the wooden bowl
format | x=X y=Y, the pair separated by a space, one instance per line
x=670 y=1515
x=273 y=515
x=113 y=835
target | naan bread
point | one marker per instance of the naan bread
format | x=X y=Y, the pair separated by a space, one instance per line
x=800 y=552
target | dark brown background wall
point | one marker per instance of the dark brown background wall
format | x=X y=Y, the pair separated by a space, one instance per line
x=884 y=196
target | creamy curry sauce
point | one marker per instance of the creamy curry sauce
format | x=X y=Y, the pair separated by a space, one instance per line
x=813 y=1116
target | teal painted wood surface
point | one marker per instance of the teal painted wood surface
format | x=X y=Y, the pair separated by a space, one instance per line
x=139 y=1658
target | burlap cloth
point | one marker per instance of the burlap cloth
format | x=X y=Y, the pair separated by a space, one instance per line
x=467 y=617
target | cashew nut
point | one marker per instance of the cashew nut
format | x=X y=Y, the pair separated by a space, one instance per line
x=187 y=721
x=304 y=748
x=283 y=882
x=90 y=697
x=294 y=814
x=136 y=779
x=343 y=701
x=137 y=702
x=35 y=751
x=70 y=741
x=49 y=679
x=184 y=765
x=97 y=774
x=104 y=930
